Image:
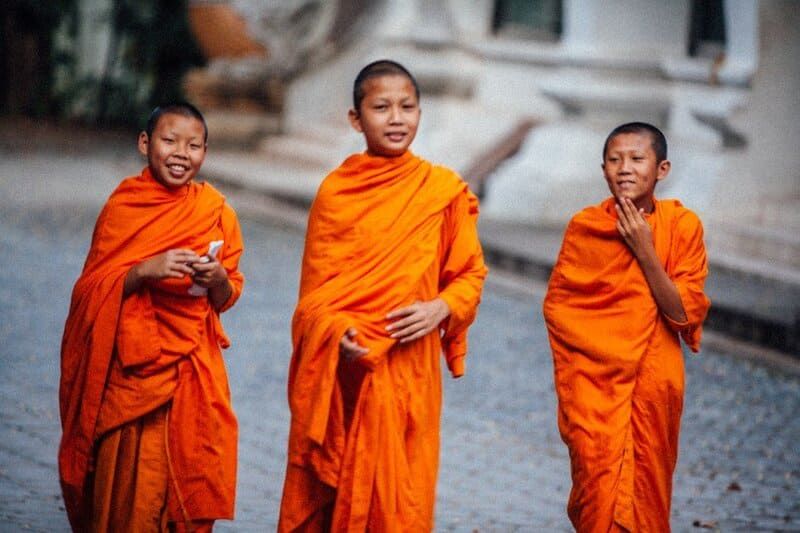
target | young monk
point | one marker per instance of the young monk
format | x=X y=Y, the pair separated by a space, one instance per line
x=391 y=278
x=149 y=436
x=628 y=283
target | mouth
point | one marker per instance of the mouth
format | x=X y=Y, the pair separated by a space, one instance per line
x=396 y=136
x=177 y=170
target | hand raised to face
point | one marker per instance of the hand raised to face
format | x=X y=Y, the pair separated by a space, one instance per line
x=633 y=227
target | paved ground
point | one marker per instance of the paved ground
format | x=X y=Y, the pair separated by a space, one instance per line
x=503 y=467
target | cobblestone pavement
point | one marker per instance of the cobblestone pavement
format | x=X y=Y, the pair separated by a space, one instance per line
x=503 y=467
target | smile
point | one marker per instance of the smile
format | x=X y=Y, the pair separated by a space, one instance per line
x=177 y=169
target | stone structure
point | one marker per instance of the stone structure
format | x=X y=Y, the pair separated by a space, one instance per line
x=719 y=77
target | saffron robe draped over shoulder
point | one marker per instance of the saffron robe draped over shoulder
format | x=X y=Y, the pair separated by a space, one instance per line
x=618 y=364
x=364 y=436
x=124 y=358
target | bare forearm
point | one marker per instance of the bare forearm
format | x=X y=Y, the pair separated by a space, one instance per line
x=664 y=291
x=219 y=294
x=133 y=280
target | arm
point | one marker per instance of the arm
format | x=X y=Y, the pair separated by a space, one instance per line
x=461 y=279
x=213 y=276
x=463 y=270
x=639 y=238
x=222 y=276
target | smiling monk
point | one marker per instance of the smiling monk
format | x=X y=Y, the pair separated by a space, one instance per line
x=391 y=278
x=627 y=285
x=149 y=436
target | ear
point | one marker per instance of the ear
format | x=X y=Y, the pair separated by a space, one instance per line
x=663 y=169
x=355 y=120
x=144 y=143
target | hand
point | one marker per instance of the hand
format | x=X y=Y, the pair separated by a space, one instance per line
x=417 y=320
x=171 y=264
x=210 y=273
x=349 y=348
x=634 y=229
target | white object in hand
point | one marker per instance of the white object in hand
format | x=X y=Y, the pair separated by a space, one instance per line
x=213 y=250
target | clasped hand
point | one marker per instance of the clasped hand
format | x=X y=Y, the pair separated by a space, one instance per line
x=178 y=263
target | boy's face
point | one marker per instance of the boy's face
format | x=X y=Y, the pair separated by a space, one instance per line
x=631 y=169
x=176 y=149
x=388 y=116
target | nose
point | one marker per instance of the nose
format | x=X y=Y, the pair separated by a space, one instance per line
x=625 y=165
x=181 y=150
x=396 y=116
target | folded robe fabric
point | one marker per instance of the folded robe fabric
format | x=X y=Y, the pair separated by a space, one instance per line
x=382 y=233
x=618 y=363
x=121 y=359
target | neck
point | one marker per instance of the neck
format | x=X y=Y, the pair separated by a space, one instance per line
x=646 y=204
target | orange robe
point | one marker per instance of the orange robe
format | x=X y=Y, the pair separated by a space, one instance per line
x=122 y=359
x=364 y=438
x=619 y=366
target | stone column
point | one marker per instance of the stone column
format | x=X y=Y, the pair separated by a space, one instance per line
x=760 y=185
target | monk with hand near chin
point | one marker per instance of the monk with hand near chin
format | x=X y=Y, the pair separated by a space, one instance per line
x=626 y=288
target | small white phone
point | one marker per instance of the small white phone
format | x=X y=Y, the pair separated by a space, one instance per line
x=213 y=251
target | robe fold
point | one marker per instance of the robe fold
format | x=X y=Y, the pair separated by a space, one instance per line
x=364 y=435
x=618 y=364
x=122 y=359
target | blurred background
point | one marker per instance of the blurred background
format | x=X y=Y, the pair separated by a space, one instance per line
x=517 y=96
x=522 y=91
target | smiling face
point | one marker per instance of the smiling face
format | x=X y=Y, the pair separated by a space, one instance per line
x=388 y=116
x=175 y=150
x=632 y=169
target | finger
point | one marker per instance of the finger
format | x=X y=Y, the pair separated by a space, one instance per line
x=636 y=214
x=622 y=219
x=182 y=268
x=348 y=344
x=403 y=322
x=351 y=332
x=203 y=267
x=352 y=349
x=418 y=335
x=183 y=255
x=410 y=330
x=355 y=354
x=624 y=209
x=403 y=311
x=622 y=231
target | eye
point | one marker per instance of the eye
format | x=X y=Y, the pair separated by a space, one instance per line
x=409 y=107
x=638 y=158
x=380 y=107
x=613 y=159
x=168 y=140
x=195 y=146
